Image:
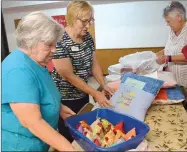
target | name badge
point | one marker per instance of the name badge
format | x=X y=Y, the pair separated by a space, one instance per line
x=74 y=48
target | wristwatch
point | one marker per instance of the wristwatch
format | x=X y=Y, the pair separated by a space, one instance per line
x=168 y=59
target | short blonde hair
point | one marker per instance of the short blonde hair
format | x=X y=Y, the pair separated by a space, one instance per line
x=37 y=27
x=77 y=9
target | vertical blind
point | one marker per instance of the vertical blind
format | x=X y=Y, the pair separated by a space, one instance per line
x=4 y=42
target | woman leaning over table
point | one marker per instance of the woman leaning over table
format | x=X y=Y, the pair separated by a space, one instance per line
x=175 y=51
x=76 y=52
x=30 y=100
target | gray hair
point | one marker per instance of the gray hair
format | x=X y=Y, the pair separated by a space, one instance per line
x=174 y=8
x=37 y=27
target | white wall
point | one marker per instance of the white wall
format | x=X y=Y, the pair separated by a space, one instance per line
x=10 y=26
x=131 y=25
x=8 y=4
x=122 y=25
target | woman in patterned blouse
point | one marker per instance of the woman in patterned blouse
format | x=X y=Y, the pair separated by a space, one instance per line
x=175 y=52
x=74 y=61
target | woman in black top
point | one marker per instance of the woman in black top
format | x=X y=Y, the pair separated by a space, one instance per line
x=74 y=61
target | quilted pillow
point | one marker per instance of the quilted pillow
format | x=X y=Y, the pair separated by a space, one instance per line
x=169 y=96
x=135 y=95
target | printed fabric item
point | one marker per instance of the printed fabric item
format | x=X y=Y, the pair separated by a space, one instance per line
x=135 y=95
x=151 y=85
x=169 y=96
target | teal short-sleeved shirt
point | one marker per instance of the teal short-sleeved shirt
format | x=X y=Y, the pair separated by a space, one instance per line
x=24 y=81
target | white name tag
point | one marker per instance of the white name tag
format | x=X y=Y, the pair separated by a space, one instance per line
x=74 y=48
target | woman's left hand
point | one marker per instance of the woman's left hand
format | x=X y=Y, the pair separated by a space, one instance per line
x=108 y=91
x=66 y=112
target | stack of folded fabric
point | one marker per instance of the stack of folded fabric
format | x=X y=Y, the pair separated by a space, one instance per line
x=170 y=92
x=169 y=96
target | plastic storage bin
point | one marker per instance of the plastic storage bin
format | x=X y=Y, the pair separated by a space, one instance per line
x=114 y=117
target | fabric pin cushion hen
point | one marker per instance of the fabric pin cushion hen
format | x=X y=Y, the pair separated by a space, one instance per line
x=105 y=134
x=135 y=95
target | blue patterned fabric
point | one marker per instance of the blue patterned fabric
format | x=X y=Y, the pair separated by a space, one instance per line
x=175 y=93
x=151 y=85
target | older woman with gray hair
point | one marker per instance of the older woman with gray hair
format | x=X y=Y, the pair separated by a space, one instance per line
x=30 y=100
x=175 y=51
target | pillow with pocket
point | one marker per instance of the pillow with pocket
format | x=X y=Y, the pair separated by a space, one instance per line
x=135 y=95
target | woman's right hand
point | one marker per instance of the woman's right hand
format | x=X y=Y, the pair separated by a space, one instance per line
x=161 y=60
x=101 y=99
x=66 y=112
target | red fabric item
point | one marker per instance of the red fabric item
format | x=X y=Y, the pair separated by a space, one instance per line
x=184 y=51
x=162 y=95
x=61 y=19
x=119 y=126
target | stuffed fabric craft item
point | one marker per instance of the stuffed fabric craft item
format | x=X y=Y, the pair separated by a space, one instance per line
x=97 y=132
x=135 y=95
x=106 y=125
x=115 y=135
x=85 y=129
x=105 y=134
x=169 y=96
x=130 y=134
x=108 y=139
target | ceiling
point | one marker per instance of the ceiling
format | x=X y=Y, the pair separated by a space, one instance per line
x=26 y=6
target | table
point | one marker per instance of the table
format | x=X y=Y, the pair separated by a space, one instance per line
x=168 y=127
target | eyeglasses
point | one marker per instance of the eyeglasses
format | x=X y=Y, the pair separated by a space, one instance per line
x=85 y=22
